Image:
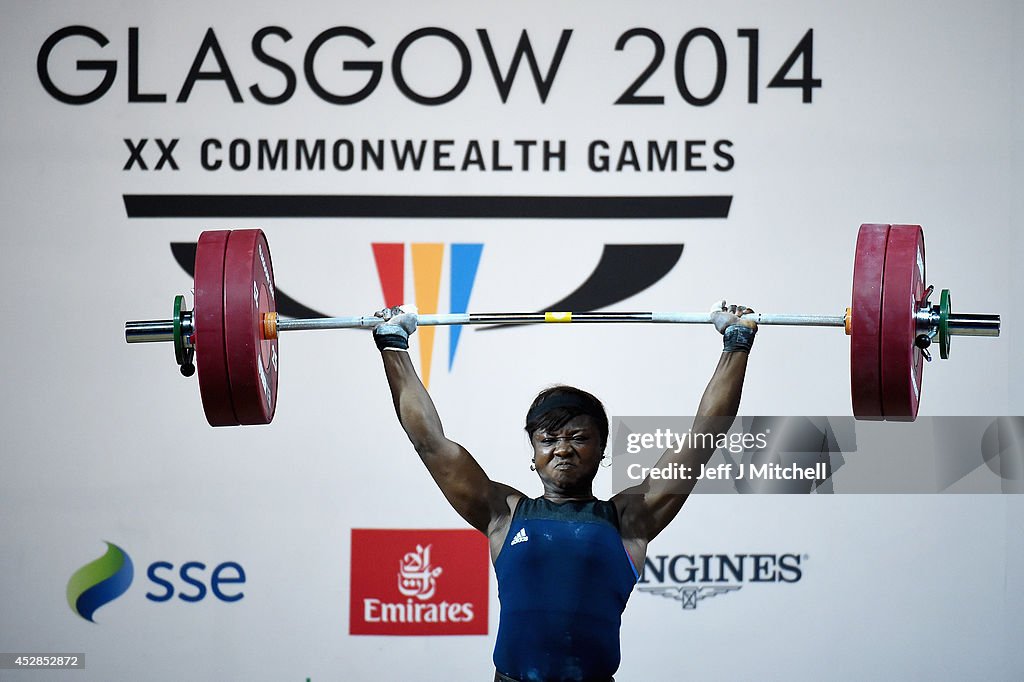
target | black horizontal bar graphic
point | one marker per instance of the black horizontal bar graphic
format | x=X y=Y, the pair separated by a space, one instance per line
x=425 y=206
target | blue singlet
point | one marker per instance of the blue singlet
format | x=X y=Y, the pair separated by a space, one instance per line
x=563 y=581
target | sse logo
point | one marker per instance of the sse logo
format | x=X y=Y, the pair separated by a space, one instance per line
x=102 y=581
x=419 y=582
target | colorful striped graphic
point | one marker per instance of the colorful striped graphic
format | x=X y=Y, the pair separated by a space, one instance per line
x=427 y=266
x=100 y=582
x=426 y=278
x=465 y=261
x=390 y=260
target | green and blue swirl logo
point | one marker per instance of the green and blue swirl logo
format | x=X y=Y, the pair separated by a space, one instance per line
x=100 y=582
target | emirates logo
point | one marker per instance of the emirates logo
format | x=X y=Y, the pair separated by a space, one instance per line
x=416 y=577
x=441 y=586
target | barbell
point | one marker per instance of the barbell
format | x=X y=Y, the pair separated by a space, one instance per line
x=231 y=335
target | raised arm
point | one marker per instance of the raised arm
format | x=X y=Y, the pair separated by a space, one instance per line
x=648 y=508
x=482 y=502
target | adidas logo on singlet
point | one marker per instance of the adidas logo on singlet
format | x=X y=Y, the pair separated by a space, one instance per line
x=519 y=537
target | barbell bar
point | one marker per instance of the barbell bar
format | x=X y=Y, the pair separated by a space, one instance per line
x=147 y=331
x=232 y=334
x=959 y=324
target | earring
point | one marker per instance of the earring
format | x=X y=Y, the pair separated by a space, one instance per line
x=533 y=467
x=606 y=461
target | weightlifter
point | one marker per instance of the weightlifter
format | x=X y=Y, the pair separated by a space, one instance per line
x=566 y=562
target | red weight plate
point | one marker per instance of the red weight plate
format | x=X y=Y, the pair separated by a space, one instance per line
x=866 y=322
x=249 y=294
x=214 y=385
x=902 y=361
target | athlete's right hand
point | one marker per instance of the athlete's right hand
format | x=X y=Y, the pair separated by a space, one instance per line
x=397 y=324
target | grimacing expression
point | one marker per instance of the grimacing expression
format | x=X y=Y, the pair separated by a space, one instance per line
x=569 y=454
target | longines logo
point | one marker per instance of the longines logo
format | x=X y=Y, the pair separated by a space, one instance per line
x=692 y=578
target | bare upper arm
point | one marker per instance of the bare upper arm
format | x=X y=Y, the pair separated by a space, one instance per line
x=647 y=508
x=483 y=503
x=635 y=519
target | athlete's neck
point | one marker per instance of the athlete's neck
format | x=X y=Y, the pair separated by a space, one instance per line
x=558 y=497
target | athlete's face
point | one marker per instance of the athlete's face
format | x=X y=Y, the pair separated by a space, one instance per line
x=567 y=458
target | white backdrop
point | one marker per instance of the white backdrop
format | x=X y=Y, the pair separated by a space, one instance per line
x=917 y=120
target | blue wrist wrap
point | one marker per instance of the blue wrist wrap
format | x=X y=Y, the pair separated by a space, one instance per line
x=738 y=338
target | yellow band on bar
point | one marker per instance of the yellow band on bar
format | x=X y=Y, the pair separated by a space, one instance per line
x=558 y=317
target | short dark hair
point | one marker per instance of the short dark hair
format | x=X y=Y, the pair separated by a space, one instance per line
x=555 y=406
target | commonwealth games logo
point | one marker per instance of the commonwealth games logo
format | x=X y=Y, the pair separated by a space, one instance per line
x=100 y=582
